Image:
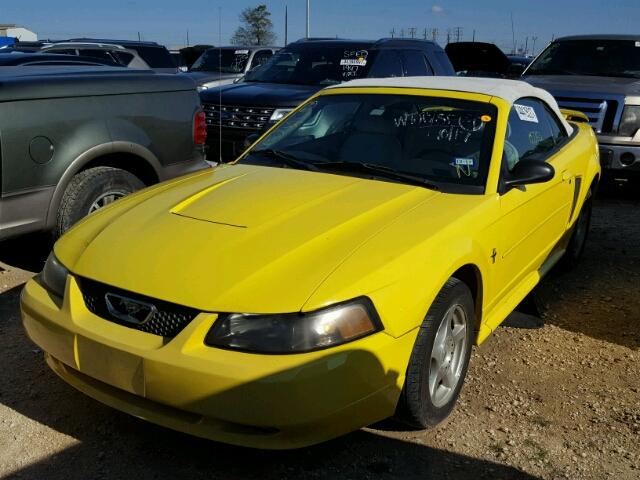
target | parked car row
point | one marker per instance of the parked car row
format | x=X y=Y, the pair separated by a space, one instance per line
x=371 y=230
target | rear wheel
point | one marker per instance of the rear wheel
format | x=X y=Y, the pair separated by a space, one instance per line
x=578 y=239
x=91 y=190
x=440 y=358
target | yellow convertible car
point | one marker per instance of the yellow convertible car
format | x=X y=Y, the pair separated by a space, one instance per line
x=336 y=274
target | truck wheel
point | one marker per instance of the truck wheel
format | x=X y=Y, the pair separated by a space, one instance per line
x=91 y=190
x=440 y=358
x=578 y=239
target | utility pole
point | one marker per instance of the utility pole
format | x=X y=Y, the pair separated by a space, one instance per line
x=393 y=32
x=424 y=34
x=434 y=34
x=533 y=45
x=308 y=13
x=513 y=35
x=448 y=36
x=188 y=37
x=138 y=36
x=412 y=32
x=458 y=33
x=286 y=25
x=474 y=35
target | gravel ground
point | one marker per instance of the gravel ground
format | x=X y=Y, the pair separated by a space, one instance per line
x=562 y=401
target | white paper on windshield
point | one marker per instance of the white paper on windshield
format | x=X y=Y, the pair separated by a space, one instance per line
x=241 y=52
x=360 y=62
x=526 y=113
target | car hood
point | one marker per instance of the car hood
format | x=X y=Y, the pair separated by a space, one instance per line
x=235 y=238
x=585 y=84
x=206 y=77
x=260 y=94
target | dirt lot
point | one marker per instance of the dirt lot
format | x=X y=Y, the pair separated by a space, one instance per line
x=558 y=402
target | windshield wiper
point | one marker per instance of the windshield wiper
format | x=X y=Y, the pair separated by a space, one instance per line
x=379 y=170
x=285 y=158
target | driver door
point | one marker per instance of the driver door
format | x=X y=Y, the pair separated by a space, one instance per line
x=533 y=217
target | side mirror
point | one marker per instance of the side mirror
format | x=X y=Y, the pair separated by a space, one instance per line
x=526 y=172
x=250 y=139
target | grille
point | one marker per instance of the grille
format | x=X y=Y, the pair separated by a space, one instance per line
x=252 y=118
x=167 y=321
x=601 y=112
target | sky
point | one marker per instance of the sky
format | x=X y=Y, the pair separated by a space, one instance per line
x=168 y=21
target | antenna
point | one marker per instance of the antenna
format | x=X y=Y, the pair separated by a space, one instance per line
x=219 y=89
x=308 y=13
x=286 y=24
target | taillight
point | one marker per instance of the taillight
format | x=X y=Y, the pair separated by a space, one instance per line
x=199 y=128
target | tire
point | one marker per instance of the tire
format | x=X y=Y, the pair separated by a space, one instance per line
x=92 y=189
x=422 y=405
x=578 y=239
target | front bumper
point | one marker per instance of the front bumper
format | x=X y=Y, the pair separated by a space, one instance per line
x=263 y=401
x=619 y=158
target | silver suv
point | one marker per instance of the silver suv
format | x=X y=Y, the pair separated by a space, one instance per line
x=224 y=65
x=598 y=75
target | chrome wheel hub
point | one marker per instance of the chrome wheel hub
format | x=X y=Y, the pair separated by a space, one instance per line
x=105 y=199
x=447 y=356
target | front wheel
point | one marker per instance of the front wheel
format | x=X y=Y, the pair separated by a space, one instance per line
x=440 y=358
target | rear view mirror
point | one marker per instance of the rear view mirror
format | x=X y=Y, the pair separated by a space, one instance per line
x=526 y=172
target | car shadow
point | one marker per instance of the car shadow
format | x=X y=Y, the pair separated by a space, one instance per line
x=27 y=252
x=601 y=297
x=115 y=445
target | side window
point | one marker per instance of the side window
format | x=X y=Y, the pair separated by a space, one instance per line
x=529 y=135
x=103 y=54
x=66 y=51
x=557 y=129
x=260 y=58
x=387 y=64
x=415 y=64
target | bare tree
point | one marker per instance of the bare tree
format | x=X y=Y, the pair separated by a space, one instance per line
x=256 y=27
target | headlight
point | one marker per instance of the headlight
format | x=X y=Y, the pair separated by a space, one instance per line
x=279 y=114
x=630 y=121
x=54 y=276
x=295 y=332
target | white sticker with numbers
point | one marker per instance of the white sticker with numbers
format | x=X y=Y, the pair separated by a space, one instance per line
x=526 y=113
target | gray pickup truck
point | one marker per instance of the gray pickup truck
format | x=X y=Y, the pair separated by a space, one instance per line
x=598 y=75
x=74 y=140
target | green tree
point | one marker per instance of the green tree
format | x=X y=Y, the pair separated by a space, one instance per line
x=256 y=27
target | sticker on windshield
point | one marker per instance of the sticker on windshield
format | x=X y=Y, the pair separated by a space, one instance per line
x=465 y=162
x=360 y=62
x=241 y=52
x=526 y=113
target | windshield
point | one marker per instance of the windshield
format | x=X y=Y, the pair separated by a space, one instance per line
x=605 y=58
x=316 y=65
x=224 y=60
x=444 y=141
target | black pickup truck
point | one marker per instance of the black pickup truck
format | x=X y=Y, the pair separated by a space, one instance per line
x=75 y=139
x=298 y=71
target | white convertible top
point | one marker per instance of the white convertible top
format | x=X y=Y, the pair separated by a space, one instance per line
x=508 y=90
